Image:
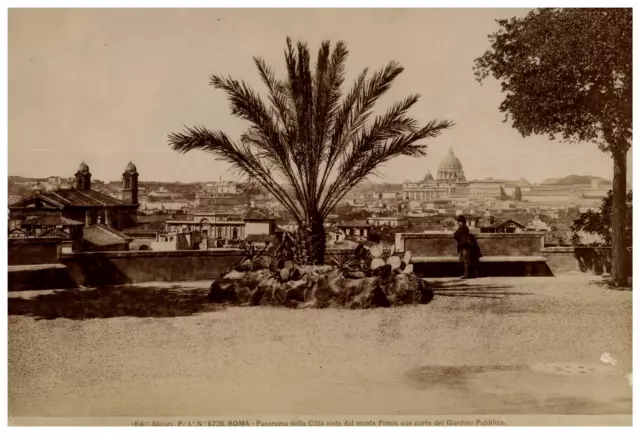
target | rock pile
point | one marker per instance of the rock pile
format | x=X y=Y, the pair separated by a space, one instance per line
x=319 y=287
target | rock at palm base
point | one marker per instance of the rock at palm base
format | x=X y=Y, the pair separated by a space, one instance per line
x=319 y=287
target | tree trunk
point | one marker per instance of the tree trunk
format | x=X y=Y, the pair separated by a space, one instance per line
x=619 y=269
x=312 y=238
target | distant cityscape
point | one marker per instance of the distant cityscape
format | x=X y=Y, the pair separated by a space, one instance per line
x=134 y=214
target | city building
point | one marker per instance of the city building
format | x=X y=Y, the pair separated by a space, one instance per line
x=487 y=189
x=178 y=241
x=492 y=225
x=83 y=204
x=49 y=225
x=391 y=221
x=219 y=232
x=221 y=186
x=450 y=181
x=357 y=229
x=216 y=200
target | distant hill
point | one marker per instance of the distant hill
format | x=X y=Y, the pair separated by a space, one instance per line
x=575 y=179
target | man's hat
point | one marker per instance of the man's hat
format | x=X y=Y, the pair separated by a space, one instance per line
x=461 y=219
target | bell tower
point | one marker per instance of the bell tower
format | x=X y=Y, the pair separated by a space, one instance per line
x=83 y=177
x=130 y=184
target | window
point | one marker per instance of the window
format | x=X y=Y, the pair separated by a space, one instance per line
x=235 y=233
x=219 y=232
x=127 y=183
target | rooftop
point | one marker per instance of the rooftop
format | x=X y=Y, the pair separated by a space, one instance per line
x=72 y=197
x=103 y=235
x=50 y=220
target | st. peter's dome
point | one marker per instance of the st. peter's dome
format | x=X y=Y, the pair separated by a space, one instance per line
x=451 y=168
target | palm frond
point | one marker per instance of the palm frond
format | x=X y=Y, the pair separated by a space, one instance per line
x=328 y=82
x=356 y=110
x=306 y=130
x=376 y=150
x=240 y=158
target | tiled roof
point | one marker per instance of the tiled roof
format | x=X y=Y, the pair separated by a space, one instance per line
x=73 y=197
x=51 y=220
x=103 y=235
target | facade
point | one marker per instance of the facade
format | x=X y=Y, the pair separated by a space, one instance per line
x=564 y=193
x=165 y=205
x=219 y=232
x=391 y=221
x=178 y=241
x=355 y=229
x=488 y=189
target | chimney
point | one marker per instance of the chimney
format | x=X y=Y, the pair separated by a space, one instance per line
x=492 y=220
x=87 y=218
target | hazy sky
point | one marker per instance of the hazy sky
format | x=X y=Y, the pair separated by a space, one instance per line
x=108 y=85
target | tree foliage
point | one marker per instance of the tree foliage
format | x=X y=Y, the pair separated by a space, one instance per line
x=566 y=73
x=321 y=141
x=599 y=222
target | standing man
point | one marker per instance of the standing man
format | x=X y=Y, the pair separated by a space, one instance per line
x=468 y=248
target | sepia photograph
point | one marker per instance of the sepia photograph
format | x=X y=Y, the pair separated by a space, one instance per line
x=319 y=217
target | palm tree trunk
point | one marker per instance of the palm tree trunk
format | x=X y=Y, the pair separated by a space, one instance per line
x=312 y=240
x=619 y=269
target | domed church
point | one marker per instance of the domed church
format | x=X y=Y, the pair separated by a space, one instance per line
x=450 y=182
x=450 y=168
x=66 y=208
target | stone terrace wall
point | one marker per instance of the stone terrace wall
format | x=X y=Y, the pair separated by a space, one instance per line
x=27 y=251
x=116 y=268
x=595 y=260
x=521 y=244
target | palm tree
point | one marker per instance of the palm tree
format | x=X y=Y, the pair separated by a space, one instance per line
x=319 y=142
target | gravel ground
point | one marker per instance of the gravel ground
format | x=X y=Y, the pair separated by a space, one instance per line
x=486 y=346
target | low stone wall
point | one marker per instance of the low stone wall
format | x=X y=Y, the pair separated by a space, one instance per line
x=36 y=277
x=117 y=268
x=432 y=245
x=594 y=260
x=26 y=251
